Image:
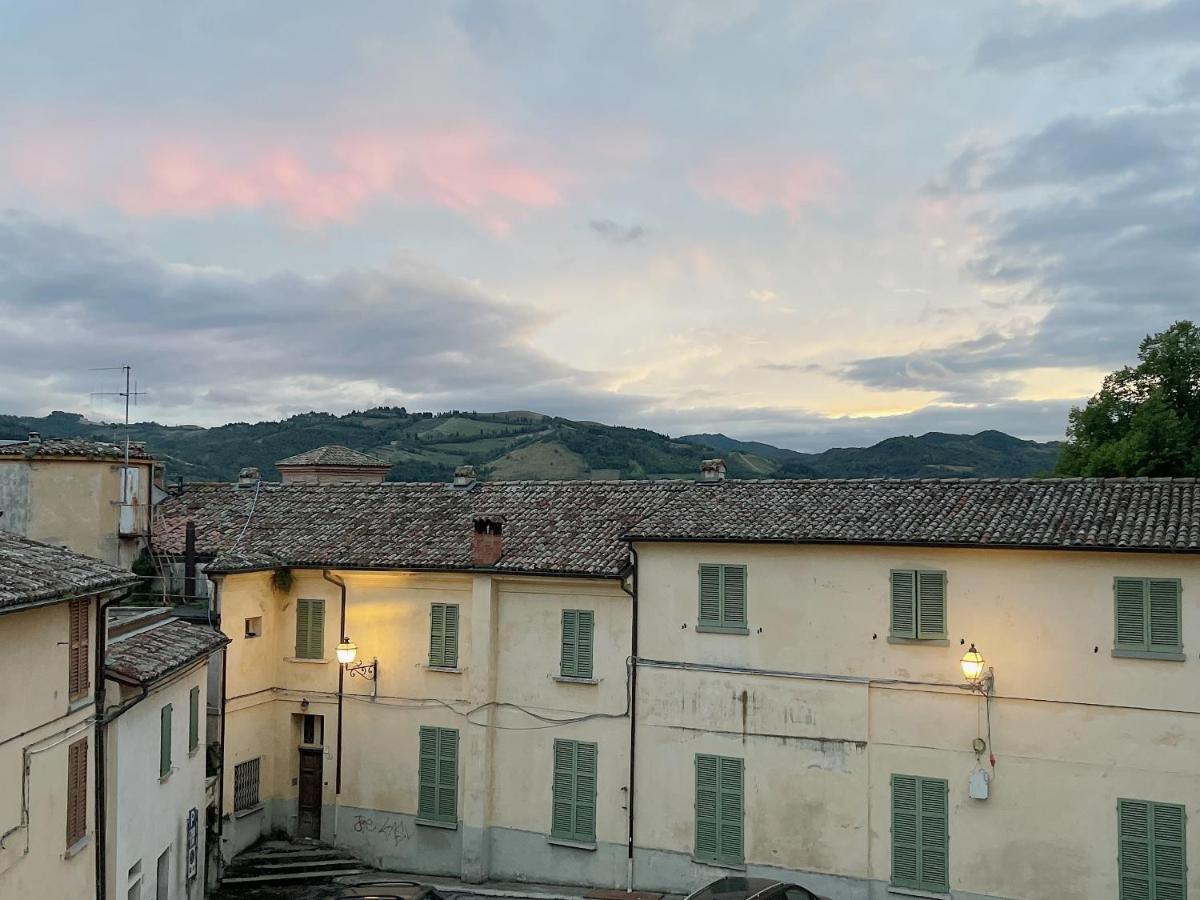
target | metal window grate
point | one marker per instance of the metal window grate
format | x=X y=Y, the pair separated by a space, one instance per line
x=245 y=784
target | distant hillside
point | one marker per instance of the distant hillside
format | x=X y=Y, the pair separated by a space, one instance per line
x=989 y=454
x=515 y=445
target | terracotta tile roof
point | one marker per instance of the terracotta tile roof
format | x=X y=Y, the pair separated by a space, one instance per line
x=48 y=448
x=1105 y=514
x=581 y=527
x=146 y=656
x=550 y=527
x=334 y=455
x=32 y=572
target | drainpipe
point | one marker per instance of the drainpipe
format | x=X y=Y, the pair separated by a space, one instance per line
x=341 y=679
x=215 y=605
x=633 y=668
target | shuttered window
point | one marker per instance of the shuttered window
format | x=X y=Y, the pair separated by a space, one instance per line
x=310 y=629
x=723 y=597
x=438 y=775
x=578 y=627
x=1148 y=614
x=77 y=754
x=918 y=604
x=443 y=635
x=78 y=678
x=164 y=741
x=1152 y=850
x=246 y=777
x=920 y=833
x=193 y=719
x=573 y=816
x=719 y=809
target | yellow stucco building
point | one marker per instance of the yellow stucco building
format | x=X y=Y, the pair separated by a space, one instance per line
x=655 y=683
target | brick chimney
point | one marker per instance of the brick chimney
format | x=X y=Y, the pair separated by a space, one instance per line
x=712 y=470
x=487 y=541
x=464 y=476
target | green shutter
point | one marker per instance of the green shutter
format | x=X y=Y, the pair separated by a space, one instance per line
x=443 y=635
x=931 y=604
x=904 y=603
x=310 y=629
x=573 y=813
x=193 y=719
x=720 y=808
x=1151 y=850
x=710 y=594
x=1130 y=600
x=733 y=595
x=1164 y=614
x=164 y=742
x=920 y=833
x=437 y=798
x=578 y=627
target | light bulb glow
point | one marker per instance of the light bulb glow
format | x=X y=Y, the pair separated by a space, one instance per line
x=972 y=665
x=346 y=651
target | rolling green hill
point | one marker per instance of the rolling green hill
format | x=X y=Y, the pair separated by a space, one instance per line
x=516 y=445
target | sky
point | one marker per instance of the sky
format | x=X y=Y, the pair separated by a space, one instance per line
x=810 y=223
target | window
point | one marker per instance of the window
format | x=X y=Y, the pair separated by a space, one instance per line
x=164 y=741
x=578 y=626
x=719 y=806
x=245 y=784
x=134 y=880
x=1152 y=855
x=918 y=604
x=162 y=889
x=77 y=760
x=573 y=813
x=438 y=789
x=310 y=629
x=79 y=679
x=1148 y=615
x=312 y=729
x=193 y=719
x=254 y=627
x=722 y=598
x=920 y=833
x=443 y=635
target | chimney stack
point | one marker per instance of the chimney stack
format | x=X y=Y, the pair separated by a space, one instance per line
x=487 y=543
x=248 y=477
x=35 y=437
x=712 y=470
x=464 y=476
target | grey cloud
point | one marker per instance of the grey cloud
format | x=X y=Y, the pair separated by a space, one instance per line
x=1092 y=40
x=617 y=233
x=789 y=367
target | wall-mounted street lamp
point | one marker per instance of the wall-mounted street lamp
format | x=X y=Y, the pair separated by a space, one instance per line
x=979 y=675
x=347 y=652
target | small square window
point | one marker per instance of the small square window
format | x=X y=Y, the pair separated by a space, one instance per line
x=254 y=627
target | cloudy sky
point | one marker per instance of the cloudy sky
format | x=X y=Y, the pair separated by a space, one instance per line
x=811 y=223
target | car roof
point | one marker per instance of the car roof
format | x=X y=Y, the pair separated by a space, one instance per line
x=734 y=887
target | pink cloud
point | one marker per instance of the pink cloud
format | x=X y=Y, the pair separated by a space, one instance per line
x=757 y=181
x=476 y=172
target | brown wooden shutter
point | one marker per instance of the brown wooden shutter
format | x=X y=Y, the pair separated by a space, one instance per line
x=77 y=757
x=79 y=680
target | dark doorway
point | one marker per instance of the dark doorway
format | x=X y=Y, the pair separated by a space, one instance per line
x=309 y=821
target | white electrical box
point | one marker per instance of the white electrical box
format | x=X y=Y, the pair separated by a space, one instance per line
x=977 y=784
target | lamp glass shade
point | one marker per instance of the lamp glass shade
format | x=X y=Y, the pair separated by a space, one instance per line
x=972 y=665
x=346 y=652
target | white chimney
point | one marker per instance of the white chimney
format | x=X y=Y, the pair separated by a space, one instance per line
x=248 y=477
x=712 y=470
x=464 y=476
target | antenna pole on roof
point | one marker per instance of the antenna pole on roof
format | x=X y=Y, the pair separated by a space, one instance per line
x=130 y=393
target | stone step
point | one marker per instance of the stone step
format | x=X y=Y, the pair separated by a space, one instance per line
x=313 y=864
x=290 y=876
x=291 y=854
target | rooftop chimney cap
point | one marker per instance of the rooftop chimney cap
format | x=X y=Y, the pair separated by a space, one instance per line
x=712 y=470
x=248 y=475
x=35 y=437
x=464 y=476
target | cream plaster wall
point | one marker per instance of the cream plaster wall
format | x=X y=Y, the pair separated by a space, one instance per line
x=136 y=790
x=1073 y=728
x=38 y=725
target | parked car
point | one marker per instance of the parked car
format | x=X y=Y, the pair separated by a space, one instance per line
x=734 y=888
x=389 y=890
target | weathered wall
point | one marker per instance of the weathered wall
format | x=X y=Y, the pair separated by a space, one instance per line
x=135 y=788
x=14 y=498
x=38 y=725
x=1073 y=728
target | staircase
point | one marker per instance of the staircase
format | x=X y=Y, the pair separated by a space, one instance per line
x=284 y=862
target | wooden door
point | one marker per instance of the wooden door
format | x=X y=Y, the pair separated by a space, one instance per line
x=309 y=821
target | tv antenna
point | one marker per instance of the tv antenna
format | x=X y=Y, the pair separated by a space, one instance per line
x=130 y=394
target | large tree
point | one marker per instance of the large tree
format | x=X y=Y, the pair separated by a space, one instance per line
x=1146 y=419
